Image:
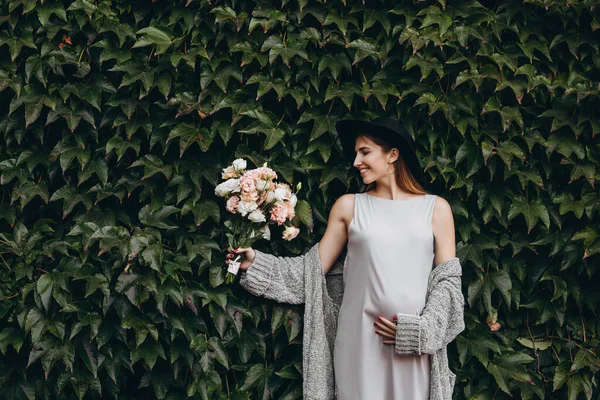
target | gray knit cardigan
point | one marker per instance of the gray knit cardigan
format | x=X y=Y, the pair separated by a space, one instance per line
x=300 y=279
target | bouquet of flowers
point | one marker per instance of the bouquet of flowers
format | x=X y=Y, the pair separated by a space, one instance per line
x=256 y=200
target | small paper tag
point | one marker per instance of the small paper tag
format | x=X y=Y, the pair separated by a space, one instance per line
x=233 y=268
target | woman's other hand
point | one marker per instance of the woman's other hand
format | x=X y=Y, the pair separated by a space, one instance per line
x=247 y=253
x=386 y=329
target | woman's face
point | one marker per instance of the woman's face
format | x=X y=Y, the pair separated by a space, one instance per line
x=371 y=160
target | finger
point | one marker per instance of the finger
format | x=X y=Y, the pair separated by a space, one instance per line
x=229 y=255
x=227 y=261
x=385 y=328
x=385 y=335
x=388 y=323
x=389 y=342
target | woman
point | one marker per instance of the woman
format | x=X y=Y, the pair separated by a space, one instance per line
x=398 y=312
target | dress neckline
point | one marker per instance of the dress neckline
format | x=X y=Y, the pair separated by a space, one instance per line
x=409 y=199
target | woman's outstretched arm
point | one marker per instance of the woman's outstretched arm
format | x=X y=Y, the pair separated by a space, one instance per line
x=282 y=278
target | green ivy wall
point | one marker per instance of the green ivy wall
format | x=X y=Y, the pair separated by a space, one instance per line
x=116 y=118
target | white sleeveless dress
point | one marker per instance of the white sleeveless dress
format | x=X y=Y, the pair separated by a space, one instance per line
x=390 y=255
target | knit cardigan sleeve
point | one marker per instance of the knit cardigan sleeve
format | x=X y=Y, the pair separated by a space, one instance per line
x=277 y=278
x=440 y=322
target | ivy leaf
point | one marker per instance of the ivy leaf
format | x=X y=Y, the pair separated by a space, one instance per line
x=121 y=146
x=507 y=114
x=335 y=64
x=287 y=51
x=161 y=37
x=591 y=239
x=485 y=286
x=45 y=11
x=71 y=198
x=189 y=134
x=342 y=21
x=292 y=323
x=477 y=346
x=473 y=249
x=565 y=145
x=28 y=191
x=35 y=65
x=67 y=152
x=266 y=84
x=370 y=17
x=322 y=123
x=219 y=351
x=258 y=376
x=158 y=218
x=532 y=211
x=202 y=245
x=121 y=30
x=221 y=77
x=338 y=172
x=346 y=93
x=45 y=287
x=16 y=42
x=153 y=256
x=434 y=15
x=227 y=14
x=507 y=367
x=96 y=167
x=382 y=90
x=109 y=237
x=365 y=47
x=152 y=166
x=273 y=129
x=202 y=211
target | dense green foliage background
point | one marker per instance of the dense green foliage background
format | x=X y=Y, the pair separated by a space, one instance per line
x=117 y=116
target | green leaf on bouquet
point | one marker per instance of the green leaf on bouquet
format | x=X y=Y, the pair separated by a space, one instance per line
x=304 y=213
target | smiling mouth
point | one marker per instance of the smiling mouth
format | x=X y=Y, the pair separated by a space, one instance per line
x=364 y=171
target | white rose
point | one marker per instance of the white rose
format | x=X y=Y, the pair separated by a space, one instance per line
x=246 y=207
x=239 y=164
x=290 y=232
x=257 y=216
x=261 y=184
x=229 y=186
x=294 y=200
x=266 y=232
x=280 y=193
x=229 y=172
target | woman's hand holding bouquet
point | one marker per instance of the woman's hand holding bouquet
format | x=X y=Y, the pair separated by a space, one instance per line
x=256 y=201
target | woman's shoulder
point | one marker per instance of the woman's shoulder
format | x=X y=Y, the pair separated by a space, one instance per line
x=442 y=207
x=344 y=206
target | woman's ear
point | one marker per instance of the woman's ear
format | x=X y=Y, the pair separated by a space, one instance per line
x=394 y=154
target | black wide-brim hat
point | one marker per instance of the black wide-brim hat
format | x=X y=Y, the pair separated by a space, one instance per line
x=388 y=129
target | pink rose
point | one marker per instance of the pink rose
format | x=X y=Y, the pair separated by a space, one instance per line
x=279 y=213
x=248 y=188
x=232 y=204
x=290 y=209
x=267 y=173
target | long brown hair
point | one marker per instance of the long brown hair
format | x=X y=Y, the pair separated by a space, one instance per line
x=404 y=178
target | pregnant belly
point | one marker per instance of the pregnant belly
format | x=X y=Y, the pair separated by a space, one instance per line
x=388 y=304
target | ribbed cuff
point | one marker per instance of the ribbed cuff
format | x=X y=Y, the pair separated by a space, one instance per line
x=257 y=277
x=408 y=334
